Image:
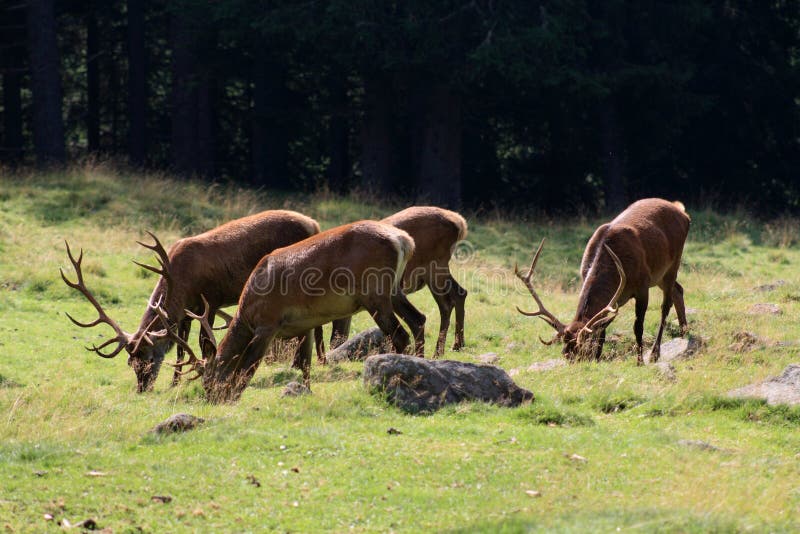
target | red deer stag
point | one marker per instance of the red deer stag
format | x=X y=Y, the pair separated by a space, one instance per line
x=294 y=289
x=639 y=249
x=435 y=232
x=215 y=264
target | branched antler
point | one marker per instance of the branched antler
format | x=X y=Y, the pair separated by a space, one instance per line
x=122 y=337
x=542 y=313
x=197 y=364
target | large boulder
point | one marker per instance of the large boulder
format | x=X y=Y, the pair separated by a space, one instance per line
x=358 y=347
x=782 y=389
x=418 y=385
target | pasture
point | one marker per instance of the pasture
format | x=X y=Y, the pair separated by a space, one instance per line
x=606 y=445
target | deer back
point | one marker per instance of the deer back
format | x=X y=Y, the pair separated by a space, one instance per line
x=325 y=277
x=648 y=237
x=435 y=232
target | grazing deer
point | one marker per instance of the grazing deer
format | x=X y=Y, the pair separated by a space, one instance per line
x=639 y=249
x=435 y=232
x=294 y=289
x=214 y=264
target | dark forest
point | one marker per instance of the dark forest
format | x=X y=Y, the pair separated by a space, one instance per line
x=553 y=106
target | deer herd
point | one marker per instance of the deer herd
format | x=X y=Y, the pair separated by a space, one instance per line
x=289 y=279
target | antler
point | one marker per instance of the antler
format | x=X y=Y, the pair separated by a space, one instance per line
x=122 y=337
x=543 y=314
x=197 y=363
x=611 y=308
x=162 y=257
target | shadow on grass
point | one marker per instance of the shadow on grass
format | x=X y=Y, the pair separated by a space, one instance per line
x=625 y=520
x=328 y=373
x=753 y=410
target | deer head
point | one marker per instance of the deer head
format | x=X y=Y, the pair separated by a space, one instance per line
x=147 y=346
x=583 y=335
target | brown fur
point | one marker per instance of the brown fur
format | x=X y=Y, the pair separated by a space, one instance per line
x=648 y=237
x=435 y=232
x=268 y=309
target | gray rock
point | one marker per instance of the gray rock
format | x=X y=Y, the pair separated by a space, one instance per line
x=418 y=385
x=180 y=422
x=295 y=389
x=783 y=389
x=358 y=347
x=764 y=308
x=547 y=365
x=677 y=349
x=770 y=287
x=698 y=444
x=488 y=359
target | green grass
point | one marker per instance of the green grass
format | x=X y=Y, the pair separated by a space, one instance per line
x=604 y=443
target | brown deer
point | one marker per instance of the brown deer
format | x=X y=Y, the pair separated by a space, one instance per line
x=294 y=289
x=214 y=264
x=639 y=249
x=435 y=232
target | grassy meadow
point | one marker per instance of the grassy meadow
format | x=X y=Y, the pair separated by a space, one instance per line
x=606 y=446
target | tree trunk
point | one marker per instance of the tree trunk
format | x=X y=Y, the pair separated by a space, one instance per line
x=270 y=141
x=48 y=123
x=92 y=80
x=338 y=171
x=376 y=138
x=613 y=157
x=137 y=84
x=440 y=147
x=12 y=117
x=192 y=103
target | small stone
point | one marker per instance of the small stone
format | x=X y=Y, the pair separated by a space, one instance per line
x=533 y=493
x=489 y=358
x=393 y=431
x=764 y=308
x=87 y=524
x=698 y=444
x=677 y=349
x=295 y=389
x=94 y=473
x=576 y=458
x=180 y=422
x=358 y=347
x=48 y=517
x=770 y=287
x=163 y=499
x=547 y=365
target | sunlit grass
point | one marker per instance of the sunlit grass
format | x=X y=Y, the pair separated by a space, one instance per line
x=604 y=443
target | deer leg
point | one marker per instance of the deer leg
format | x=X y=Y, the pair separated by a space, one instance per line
x=184 y=327
x=680 y=308
x=319 y=344
x=445 y=304
x=340 y=331
x=460 y=298
x=304 y=355
x=638 y=325
x=665 y=306
x=414 y=318
x=384 y=317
